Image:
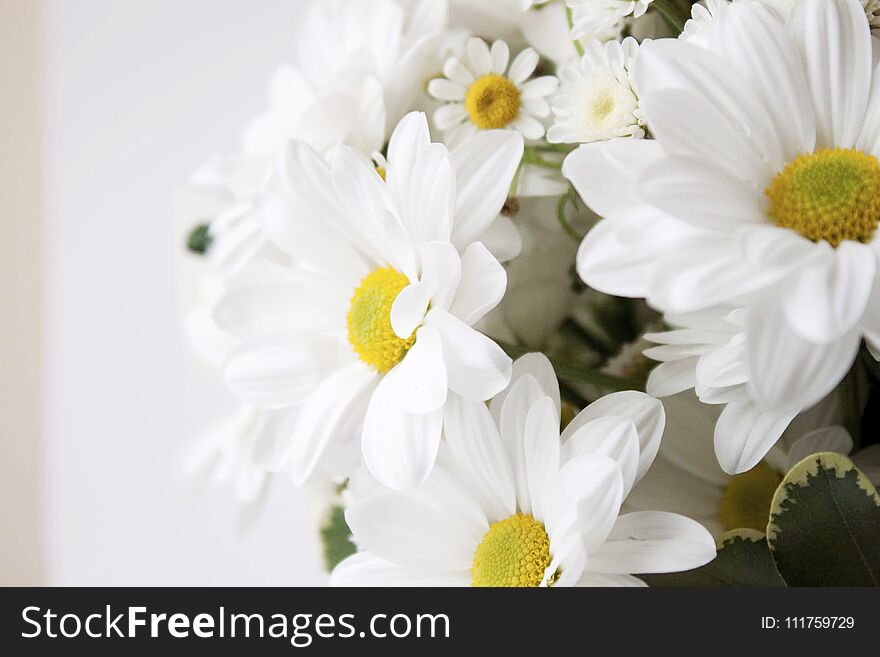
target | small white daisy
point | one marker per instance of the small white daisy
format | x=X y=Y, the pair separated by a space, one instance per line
x=591 y=17
x=363 y=337
x=597 y=100
x=513 y=503
x=483 y=94
x=686 y=479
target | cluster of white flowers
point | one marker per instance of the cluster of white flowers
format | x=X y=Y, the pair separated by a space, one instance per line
x=439 y=186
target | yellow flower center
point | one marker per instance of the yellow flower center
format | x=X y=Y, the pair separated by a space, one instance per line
x=369 y=320
x=492 y=102
x=831 y=195
x=514 y=552
x=746 y=500
x=381 y=171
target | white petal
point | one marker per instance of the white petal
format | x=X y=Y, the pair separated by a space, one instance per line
x=503 y=239
x=830 y=296
x=365 y=569
x=745 y=433
x=327 y=409
x=588 y=500
x=605 y=173
x=458 y=72
x=654 y=542
x=441 y=271
x=399 y=448
x=646 y=413
x=410 y=533
x=479 y=57
x=475 y=444
x=483 y=283
x=673 y=377
x=443 y=89
x=787 y=370
x=478 y=368
x=538 y=366
x=541 y=452
x=500 y=54
x=484 y=169
x=612 y=436
x=530 y=127
x=450 y=115
x=409 y=308
x=278 y=371
x=539 y=87
x=523 y=66
x=420 y=181
x=521 y=396
x=839 y=73
x=418 y=383
x=827 y=439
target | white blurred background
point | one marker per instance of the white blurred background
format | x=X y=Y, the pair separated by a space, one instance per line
x=107 y=106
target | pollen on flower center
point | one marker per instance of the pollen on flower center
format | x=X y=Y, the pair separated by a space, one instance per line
x=514 y=552
x=746 y=500
x=492 y=102
x=369 y=320
x=831 y=195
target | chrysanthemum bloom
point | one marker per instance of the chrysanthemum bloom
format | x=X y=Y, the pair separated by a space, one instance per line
x=597 y=101
x=359 y=65
x=483 y=94
x=685 y=477
x=590 y=17
x=365 y=334
x=761 y=191
x=513 y=504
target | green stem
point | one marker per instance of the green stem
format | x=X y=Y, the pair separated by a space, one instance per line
x=672 y=13
x=534 y=157
x=577 y=44
x=569 y=197
x=575 y=374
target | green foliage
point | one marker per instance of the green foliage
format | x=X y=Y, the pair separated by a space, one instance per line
x=743 y=559
x=824 y=525
x=199 y=240
x=336 y=538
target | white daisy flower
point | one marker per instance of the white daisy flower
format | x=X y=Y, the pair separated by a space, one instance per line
x=365 y=336
x=483 y=94
x=597 y=101
x=761 y=190
x=359 y=67
x=686 y=479
x=515 y=504
x=590 y=17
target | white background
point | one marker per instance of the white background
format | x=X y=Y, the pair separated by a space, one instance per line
x=136 y=95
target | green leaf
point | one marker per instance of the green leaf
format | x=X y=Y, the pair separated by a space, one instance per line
x=199 y=239
x=743 y=559
x=825 y=524
x=336 y=538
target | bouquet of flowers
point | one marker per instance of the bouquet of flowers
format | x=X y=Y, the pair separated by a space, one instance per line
x=557 y=293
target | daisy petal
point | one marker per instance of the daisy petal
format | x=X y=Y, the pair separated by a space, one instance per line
x=399 y=448
x=541 y=452
x=483 y=283
x=653 y=542
x=443 y=89
x=475 y=444
x=484 y=169
x=523 y=66
x=612 y=436
x=478 y=368
x=539 y=87
x=410 y=533
x=500 y=54
x=418 y=383
x=365 y=569
x=479 y=57
x=827 y=439
x=745 y=433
